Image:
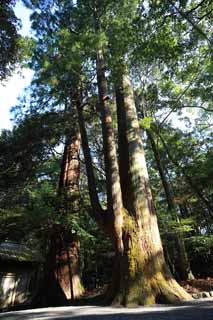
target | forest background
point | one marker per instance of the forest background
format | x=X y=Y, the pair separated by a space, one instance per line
x=114 y=74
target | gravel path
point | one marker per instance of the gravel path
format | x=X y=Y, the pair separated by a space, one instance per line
x=195 y=310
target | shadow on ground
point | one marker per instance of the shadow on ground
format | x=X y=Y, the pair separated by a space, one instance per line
x=196 y=310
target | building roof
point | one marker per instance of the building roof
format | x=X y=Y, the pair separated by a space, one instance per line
x=18 y=252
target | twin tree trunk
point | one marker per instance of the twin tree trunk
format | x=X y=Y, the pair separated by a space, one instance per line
x=145 y=277
x=140 y=274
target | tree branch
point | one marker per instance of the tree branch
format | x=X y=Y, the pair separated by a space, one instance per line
x=196 y=7
x=186 y=17
x=175 y=101
x=205 y=15
x=188 y=106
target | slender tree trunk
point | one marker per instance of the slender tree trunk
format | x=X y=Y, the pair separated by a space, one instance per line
x=166 y=185
x=123 y=152
x=182 y=264
x=97 y=211
x=114 y=195
x=144 y=275
x=188 y=179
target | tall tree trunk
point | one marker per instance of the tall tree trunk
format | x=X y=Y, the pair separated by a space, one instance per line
x=144 y=275
x=62 y=272
x=114 y=195
x=98 y=213
x=123 y=152
x=182 y=264
x=140 y=274
x=67 y=255
x=166 y=185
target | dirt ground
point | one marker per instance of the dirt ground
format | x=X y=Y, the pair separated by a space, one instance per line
x=198 y=285
x=191 y=286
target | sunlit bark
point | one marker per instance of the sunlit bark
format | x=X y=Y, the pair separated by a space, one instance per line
x=144 y=275
x=114 y=196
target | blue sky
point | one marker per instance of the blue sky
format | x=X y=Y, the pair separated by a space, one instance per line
x=11 y=89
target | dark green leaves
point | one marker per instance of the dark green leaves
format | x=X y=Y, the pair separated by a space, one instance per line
x=9 y=38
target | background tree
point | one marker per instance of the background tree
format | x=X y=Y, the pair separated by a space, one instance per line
x=9 y=38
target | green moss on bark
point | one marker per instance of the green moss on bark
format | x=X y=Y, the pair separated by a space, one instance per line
x=144 y=279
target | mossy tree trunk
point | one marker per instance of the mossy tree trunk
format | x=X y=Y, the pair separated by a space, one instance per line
x=140 y=274
x=144 y=275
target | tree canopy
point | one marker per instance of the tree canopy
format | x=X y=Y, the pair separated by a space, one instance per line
x=9 y=38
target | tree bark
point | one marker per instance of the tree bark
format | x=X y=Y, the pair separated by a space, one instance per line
x=114 y=195
x=62 y=281
x=124 y=169
x=98 y=212
x=51 y=293
x=67 y=270
x=67 y=249
x=140 y=274
x=144 y=275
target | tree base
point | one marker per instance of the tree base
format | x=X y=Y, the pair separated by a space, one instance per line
x=162 y=292
x=145 y=278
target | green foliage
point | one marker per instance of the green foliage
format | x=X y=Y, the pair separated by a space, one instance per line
x=9 y=38
x=26 y=147
x=146 y=123
x=201 y=245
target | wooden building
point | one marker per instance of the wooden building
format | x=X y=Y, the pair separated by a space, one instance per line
x=19 y=275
